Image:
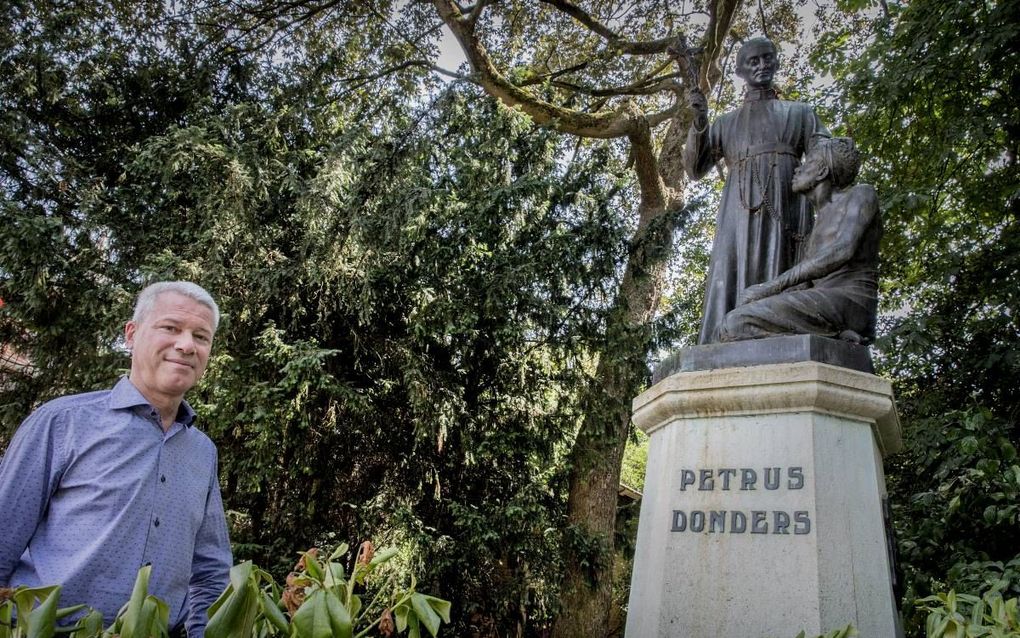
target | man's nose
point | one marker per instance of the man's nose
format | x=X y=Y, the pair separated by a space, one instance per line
x=185 y=343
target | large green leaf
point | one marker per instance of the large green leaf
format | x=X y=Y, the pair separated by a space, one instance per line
x=312 y=619
x=237 y=608
x=423 y=610
x=339 y=616
x=42 y=619
x=130 y=627
x=273 y=613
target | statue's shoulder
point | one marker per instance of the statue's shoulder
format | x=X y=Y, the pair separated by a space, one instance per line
x=862 y=196
x=793 y=105
x=864 y=191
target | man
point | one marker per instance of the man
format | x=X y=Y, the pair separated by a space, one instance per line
x=96 y=485
x=761 y=223
x=833 y=292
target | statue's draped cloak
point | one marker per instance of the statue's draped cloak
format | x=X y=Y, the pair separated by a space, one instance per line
x=761 y=224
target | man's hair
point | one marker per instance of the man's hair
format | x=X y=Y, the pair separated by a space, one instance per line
x=147 y=298
x=842 y=158
x=742 y=51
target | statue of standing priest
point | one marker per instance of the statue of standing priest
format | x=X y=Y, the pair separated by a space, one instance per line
x=762 y=225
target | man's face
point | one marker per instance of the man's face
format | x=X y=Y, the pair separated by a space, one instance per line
x=758 y=65
x=170 y=346
x=811 y=171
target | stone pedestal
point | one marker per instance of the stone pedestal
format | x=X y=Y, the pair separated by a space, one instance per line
x=762 y=511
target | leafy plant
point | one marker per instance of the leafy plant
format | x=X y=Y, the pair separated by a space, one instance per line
x=144 y=615
x=321 y=601
x=952 y=615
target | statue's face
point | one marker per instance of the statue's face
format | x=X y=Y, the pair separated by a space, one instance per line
x=758 y=64
x=811 y=171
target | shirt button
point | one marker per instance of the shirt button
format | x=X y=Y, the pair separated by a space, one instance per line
x=162 y=479
x=156 y=522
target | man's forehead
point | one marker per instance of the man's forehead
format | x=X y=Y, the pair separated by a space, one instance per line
x=756 y=48
x=171 y=305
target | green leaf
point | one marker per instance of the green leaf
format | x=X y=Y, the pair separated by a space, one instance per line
x=341 y=550
x=146 y=615
x=441 y=607
x=312 y=619
x=339 y=616
x=423 y=610
x=6 y=614
x=91 y=624
x=42 y=619
x=130 y=627
x=235 y=612
x=383 y=555
x=313 y=568
x=64 y=612
x=400 y=614
x=355 y=605
x=273 y=613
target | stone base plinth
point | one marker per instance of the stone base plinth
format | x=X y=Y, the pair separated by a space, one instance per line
x=762 y=511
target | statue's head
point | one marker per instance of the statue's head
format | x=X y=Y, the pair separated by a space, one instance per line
x=836 y=160
x=757 y=62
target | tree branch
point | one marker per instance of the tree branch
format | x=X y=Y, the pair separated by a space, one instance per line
x=631 y=47
x=596 y=125
x=404 y=65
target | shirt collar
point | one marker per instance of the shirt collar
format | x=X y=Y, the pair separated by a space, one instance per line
x=126 y=395
x=757 y=95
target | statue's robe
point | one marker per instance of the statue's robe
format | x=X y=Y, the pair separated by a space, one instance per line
x=761 y=224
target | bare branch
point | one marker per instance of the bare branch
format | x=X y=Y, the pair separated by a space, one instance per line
x=648 y=87
x=764 y=22
x=631 y=47
x=404 y=65
x=552 y=75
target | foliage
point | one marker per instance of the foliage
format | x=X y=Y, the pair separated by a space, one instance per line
x=952 y=615
x=143 y=615
x=962 y=475
x=318 y=598
x=321 y=601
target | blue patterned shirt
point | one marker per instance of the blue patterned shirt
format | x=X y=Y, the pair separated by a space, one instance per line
x=92 y=489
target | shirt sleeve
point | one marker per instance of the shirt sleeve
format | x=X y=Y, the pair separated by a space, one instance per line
x=210 y=566
x=29 y=475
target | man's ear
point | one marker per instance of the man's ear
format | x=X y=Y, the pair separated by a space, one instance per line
x=129 y=333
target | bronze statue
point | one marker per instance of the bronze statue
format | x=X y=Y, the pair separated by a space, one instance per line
x=761 y=224
x=832 y=292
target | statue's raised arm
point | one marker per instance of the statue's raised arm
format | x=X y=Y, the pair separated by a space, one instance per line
x=762 y=224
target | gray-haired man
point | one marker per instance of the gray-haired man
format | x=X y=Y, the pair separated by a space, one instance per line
x=94 y=486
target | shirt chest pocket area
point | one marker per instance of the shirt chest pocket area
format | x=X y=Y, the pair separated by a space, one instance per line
x=183 y=485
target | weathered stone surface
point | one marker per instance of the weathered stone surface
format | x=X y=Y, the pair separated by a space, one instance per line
x=776 y=472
